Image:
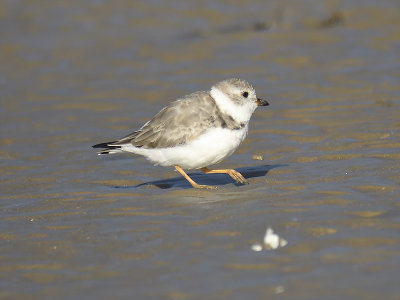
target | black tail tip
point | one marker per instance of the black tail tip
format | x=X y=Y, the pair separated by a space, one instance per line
x=101 y=145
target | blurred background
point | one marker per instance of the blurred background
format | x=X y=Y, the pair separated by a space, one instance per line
x=322 y=160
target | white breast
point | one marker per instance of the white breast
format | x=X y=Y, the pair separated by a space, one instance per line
x=210 y=148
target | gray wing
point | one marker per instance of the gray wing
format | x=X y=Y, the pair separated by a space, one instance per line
x=180 y=122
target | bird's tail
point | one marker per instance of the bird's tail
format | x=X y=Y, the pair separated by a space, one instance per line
x=109 y=148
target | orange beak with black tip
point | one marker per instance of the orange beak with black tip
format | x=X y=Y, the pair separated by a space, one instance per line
x=261 y=102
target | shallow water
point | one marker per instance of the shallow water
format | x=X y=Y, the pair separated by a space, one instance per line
x=322 y=160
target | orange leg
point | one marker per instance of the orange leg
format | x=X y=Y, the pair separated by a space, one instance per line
x=194 y=184
x=231 y=172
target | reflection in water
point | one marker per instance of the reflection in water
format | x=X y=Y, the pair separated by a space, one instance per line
x=210 y=179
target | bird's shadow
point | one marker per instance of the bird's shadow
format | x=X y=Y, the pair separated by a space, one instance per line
x=207 y=179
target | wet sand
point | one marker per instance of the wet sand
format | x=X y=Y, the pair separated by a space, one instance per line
x=322 y=160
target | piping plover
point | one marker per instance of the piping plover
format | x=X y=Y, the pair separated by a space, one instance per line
x=195 y=131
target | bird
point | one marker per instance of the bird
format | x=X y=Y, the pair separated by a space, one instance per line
x=195 y=131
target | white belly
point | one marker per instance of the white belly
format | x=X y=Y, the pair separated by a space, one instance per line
x=210 y=148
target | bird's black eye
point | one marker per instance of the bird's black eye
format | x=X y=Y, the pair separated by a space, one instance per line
x=245 y=94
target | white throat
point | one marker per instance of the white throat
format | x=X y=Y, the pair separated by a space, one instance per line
x=240 y=113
